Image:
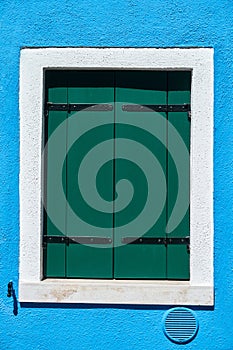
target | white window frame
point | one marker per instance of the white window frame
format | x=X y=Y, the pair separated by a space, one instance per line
x=199 y=290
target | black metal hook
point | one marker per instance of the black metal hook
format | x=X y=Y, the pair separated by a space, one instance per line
x=10 y=289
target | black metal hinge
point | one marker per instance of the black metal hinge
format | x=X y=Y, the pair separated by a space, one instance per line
x=70 y=107
x=156 y=108
x=76 y=240
x=157 y=240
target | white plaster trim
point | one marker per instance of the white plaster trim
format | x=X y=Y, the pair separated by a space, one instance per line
x=199 y=290
x=116 y=292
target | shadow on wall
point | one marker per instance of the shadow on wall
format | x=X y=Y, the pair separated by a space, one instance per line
x=107 y=306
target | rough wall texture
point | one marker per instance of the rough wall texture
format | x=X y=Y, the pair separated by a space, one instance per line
x=149 y=23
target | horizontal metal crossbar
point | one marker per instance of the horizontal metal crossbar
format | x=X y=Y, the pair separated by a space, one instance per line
x=156 y=240
x=105 y=107
x=76 y=240
x=108 y=240
x=156 y=108
x=70 y=107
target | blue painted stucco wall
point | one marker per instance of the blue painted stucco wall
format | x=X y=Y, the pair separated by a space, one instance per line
x=146 y=23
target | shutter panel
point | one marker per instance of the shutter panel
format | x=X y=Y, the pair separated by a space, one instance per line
x=144 y=151
x=88 y=130
x=179 y=86
x=55 y=252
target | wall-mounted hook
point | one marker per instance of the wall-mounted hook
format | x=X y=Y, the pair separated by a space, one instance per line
x=11 y=293
x=10 y=289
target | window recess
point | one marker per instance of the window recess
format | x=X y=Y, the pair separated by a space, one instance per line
x=114 y=224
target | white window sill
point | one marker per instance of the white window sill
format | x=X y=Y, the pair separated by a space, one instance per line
x=116 y=292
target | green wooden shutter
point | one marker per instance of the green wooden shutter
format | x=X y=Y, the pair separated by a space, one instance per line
x=141 y=88
x=89 y=128
x=55 y=252
x=79 y=137
x=179 y=84
x=133 y=140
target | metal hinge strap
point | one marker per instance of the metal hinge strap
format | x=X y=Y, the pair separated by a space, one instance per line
x=156 y=240
x=70 y=107
x=76 y=240
x=156 y=108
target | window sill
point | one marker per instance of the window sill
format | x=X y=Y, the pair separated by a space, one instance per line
x=116 y=292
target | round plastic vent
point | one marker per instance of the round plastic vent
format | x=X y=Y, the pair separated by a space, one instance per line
x=180 y=325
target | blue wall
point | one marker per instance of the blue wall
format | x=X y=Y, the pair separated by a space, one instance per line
x=134 y=23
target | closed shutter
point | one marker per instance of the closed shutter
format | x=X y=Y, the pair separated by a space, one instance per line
x=145 y=156
x=87 y=130
x=178 y=254
x=55 y=252
x=116 y=129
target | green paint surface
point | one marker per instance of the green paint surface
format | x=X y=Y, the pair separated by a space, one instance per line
x=130 y=150
x=89 y=261
x=55 y=253
x=178 y=93
x=139 y=261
